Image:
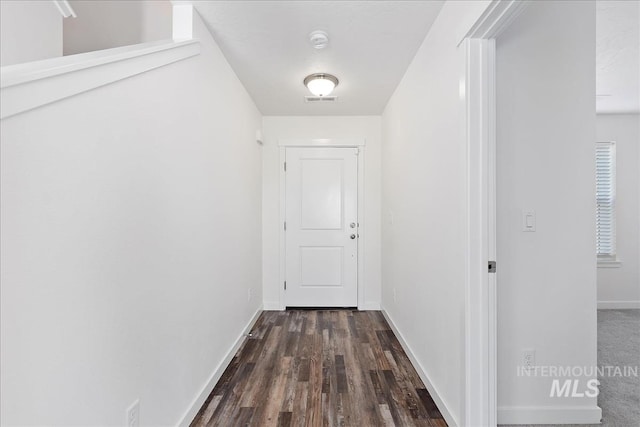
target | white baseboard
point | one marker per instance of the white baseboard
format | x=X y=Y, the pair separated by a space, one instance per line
x=217 y=373
x=549 y=415
x=442 y=407
x=370 y=305
x=272 y=306
x=619 y=305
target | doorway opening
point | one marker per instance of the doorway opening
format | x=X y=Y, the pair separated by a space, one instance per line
x=321 y=234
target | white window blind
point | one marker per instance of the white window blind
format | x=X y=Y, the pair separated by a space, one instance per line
x=606 y=200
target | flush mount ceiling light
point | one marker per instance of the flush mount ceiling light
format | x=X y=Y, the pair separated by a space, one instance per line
x=320 y=84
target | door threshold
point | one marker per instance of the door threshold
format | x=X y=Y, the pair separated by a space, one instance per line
x=320 y=308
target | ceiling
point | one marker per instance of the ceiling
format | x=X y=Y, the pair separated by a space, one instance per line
x=371 y=45
x=618 y=56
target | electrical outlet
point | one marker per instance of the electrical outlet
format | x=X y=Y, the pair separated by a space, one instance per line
x=133 y=414
x=249 y=294
x=528 y=358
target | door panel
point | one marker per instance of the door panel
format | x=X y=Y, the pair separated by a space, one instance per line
x=321 y=191
x=321 y=266
x=321 y=216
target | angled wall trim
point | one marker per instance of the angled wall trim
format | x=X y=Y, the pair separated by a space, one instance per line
x=24 y=87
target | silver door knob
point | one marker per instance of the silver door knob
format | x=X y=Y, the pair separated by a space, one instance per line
x=352 y=225
x=353 y=236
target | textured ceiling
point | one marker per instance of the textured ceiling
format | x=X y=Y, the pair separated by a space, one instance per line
x=371 y=46
x=618 y=56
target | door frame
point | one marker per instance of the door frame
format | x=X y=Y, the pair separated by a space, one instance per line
x=359 y=143
x=479 y=103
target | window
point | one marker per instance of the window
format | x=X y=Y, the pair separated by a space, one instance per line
x=606 y=201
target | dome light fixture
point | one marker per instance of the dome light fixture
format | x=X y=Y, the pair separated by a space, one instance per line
x=320 y=84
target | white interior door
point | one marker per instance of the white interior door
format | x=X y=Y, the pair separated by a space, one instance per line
x=321 y=227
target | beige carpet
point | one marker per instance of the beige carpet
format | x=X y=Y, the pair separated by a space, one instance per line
x=618 y=345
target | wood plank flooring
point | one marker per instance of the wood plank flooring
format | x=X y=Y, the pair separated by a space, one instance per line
x=320 y=368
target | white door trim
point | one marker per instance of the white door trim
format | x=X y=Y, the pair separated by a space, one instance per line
x=480 y=293
x=325 y=142
x=322 y=142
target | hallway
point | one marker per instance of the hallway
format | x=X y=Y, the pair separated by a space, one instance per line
x=175 y=174
x=317 y=367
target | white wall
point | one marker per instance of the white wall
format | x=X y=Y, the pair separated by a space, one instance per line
x=546 y=279
x=29 y=31
x=103 y=24
x=424 y=224
x=310 y=127
x=131 y=224
x=620 y=287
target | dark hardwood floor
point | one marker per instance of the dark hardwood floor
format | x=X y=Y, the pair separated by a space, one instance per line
x=320 y=368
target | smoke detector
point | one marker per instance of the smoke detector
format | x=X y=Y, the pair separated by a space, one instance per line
x=319 y=39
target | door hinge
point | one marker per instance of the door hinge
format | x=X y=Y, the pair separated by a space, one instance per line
x=285 y=226
x=285 y=166
x=492 y=266
x=285 y=285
